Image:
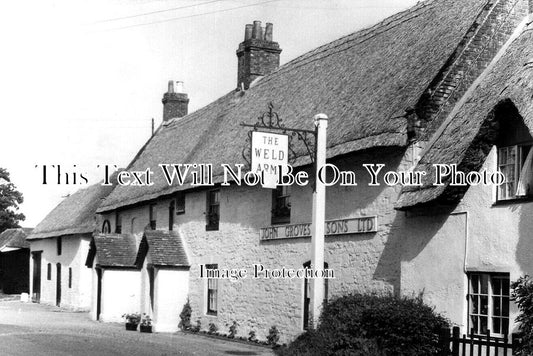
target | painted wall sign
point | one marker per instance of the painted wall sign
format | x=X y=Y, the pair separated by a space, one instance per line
x=332 y=227
x=269 y=151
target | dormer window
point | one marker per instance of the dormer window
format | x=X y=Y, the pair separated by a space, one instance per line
x=515 y=162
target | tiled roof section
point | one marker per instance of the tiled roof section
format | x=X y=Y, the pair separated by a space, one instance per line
x=74 y=215
x=363 y=82
x=15 y=238
x=164 y=248
x=509 y=81
x=115 y=250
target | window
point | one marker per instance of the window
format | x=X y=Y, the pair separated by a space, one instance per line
x=281 y=205
x=171 y=212
x=488 y=301
x=118 y=223
x=213 y=209
x=70 y=277
x=153 y=217
x=49 y=271
x=515 y=164
x=212 y=292
x=180 y=203
x=132 y=227
x=59 y=246
x=106 y=227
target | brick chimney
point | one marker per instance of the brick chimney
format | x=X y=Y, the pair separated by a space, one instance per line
x=175 y=102
x=258 y=54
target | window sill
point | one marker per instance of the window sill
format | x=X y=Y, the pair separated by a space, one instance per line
x=513 y=201
x=211 y=228
x=212 y=314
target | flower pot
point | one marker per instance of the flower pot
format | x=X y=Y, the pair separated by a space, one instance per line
x=131 y=326
x=146 y=328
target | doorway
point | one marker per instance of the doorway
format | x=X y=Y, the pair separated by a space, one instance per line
x=58 y=285
x=98 y=293
x=307 y=295
x=36 y=285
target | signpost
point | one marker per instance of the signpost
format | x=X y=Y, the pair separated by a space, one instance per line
x=262 y=130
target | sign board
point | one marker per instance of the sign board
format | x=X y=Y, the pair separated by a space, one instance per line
x=269 y=151
x=331 y=228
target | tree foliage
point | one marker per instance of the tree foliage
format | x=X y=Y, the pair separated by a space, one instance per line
x=522 y=295
x=10 y=199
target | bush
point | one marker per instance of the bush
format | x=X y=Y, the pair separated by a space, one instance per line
x=212 y=328
x=273 y=336
x=374 y=326
x=523 y=296
x=185 y=316
x=233 y=330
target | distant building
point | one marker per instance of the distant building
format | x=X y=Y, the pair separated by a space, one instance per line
x=59 y=246
x=14 y=261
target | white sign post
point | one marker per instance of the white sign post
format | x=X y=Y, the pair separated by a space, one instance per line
x=269 y=154
x=319 y=217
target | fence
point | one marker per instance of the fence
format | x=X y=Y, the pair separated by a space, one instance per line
x=475 y=345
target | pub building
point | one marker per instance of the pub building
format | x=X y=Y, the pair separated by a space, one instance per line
x=443 y=82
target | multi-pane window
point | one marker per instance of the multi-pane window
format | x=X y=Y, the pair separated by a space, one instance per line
x=212 y=292
x=281 y=205
x=59 y=246
x=180 y=203
x=49 y=271
x=213 y=209
x=118 y=223
x=515 y=162
x=488 y=307
x=153 y=217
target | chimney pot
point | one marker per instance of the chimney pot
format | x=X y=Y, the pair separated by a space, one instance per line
x=248 y=32
x=175 y=102
x=257 y=30
x=268 y=32
x=257 y=55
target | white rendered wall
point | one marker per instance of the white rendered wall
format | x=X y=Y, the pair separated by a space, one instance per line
x=120 y=294
x=171 y=289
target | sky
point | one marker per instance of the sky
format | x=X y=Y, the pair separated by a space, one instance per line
x=80 y=81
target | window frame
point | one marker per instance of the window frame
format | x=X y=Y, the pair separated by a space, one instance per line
x=281 y=205
x=59 y=245
x=106 y=227
x=491 y=310
x=152 y=216
x=212 y=288
x=518 y=165
x=171 y=212
x=212 y=213
x=180 y=203
x=118 y=222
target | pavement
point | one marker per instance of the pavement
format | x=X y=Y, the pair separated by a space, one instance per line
x=36 y=329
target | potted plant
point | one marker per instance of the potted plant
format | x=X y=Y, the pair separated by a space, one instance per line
x=132 y=320
x=146 y=324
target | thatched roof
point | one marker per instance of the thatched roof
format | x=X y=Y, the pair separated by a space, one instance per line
x=165 y=249
x=113 y=250
x=466 y=137
x=363 y=82
x=15 y=238
x=74 y=215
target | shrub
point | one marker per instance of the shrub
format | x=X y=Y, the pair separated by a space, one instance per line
x=523 y=296
x=198 y=326
x=273 y=336
x=251 y=336
x=185 y=316
x=372 y=325
x=233 y=330
x=212 y=328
